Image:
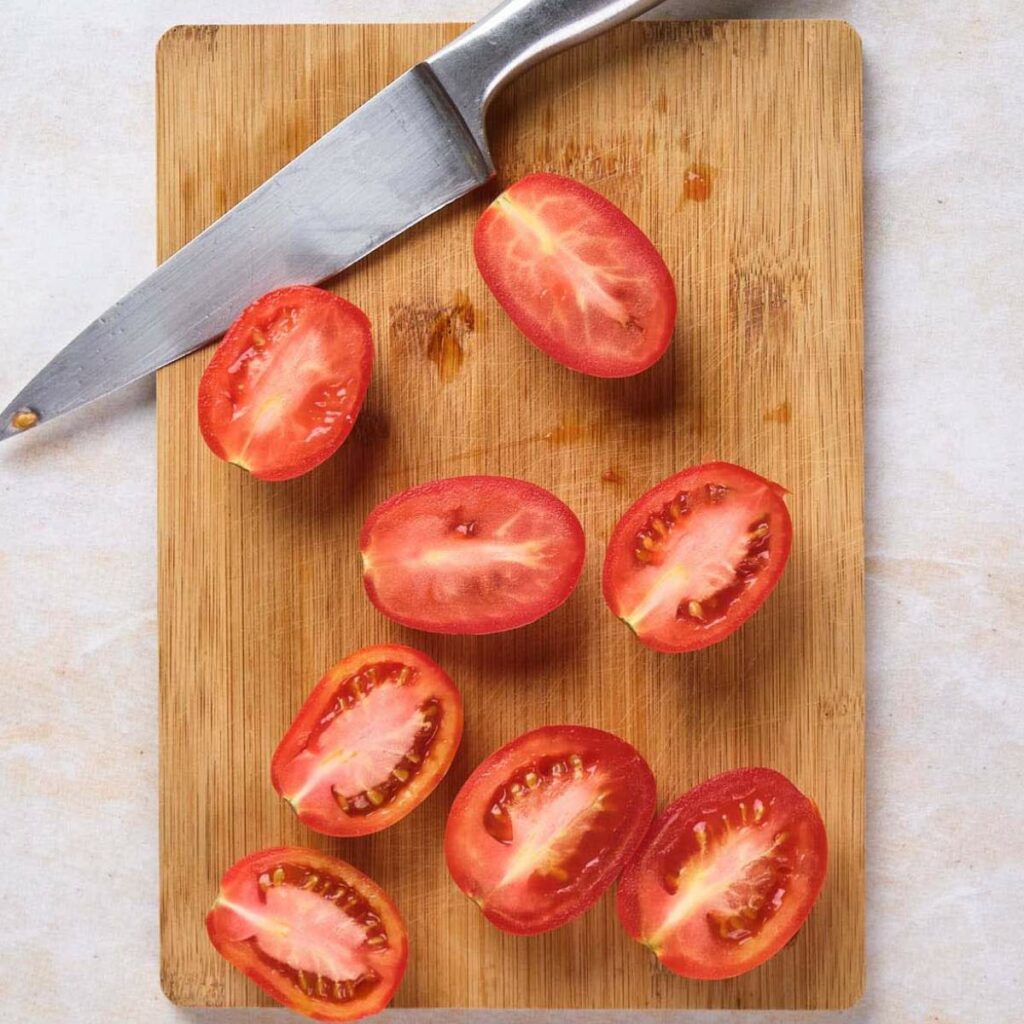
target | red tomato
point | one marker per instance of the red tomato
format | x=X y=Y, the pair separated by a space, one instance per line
x=372 y=741
x=544 y=825
x=696 y=556
x=285 y=385
x=576 y=276
x=313 y=932
x=472 y=554
x=727 y=875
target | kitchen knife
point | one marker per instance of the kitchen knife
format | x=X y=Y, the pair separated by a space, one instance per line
x=418 y=145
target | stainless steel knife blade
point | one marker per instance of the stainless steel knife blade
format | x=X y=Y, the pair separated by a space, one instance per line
x=416 y=146
x=401 y=156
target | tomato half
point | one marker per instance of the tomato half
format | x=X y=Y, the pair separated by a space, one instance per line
x=727 y=875
x=371 y=742
x=313 y=932
x=285 y=386
x=576 y=276
x=697 y=555
x=471 y=554
x=543 y=826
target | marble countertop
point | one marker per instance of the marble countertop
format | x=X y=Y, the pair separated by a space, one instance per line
x=945 y=463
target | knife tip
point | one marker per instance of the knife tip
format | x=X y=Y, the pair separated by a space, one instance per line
x=16 y=419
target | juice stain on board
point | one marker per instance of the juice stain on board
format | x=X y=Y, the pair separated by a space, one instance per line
x=440 y=334
x=782 y=413
x=697 y=183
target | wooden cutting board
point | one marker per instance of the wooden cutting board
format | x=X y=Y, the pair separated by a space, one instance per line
x=737 y=147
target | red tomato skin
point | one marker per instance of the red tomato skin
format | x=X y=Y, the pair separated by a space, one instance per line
x=214 y=406
x=627 y=525
x=491 y=259
x=514 y=492
x=461 y=856
x=238 y=951
x=333 y=821
x=696 y=801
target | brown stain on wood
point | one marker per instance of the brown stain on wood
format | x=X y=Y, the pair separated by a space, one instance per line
x=612 y=476
x=259 y=588
x=697 y=183
x=567 y=431
x=781 y=413
x=442 y=334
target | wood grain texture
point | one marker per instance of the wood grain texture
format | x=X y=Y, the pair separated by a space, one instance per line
x=737 y=147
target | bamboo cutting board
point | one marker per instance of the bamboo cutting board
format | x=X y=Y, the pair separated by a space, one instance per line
x=737 y=147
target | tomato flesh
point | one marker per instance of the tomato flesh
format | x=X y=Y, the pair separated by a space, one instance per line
x=727 y=875
x=371 y=742
x=284 y=388
x=541 y=828
x=576 y=276
x=471 y=554
x=313 y=932
x=697 y=555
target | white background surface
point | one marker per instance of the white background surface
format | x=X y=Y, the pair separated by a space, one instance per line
x=945 y=459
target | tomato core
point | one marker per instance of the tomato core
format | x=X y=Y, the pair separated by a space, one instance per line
x=369 y=704
x=315 y=931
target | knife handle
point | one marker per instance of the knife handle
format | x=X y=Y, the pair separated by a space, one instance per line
x=515 y=35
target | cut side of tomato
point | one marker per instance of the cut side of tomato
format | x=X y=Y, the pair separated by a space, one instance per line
x=471 y=554
x=313 y=932
x=577 y=276
x=727 y=875
x=371 y=742
x=284 y=388
x=543 y=826
x=697 y=555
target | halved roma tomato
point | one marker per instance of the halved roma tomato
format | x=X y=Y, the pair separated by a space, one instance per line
x=313 y=932
x=472 y=554
x=577 y=276
x=285 y=385
x=727 y=875
x=543 y=826
x=371 y=742
x=697 y=555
